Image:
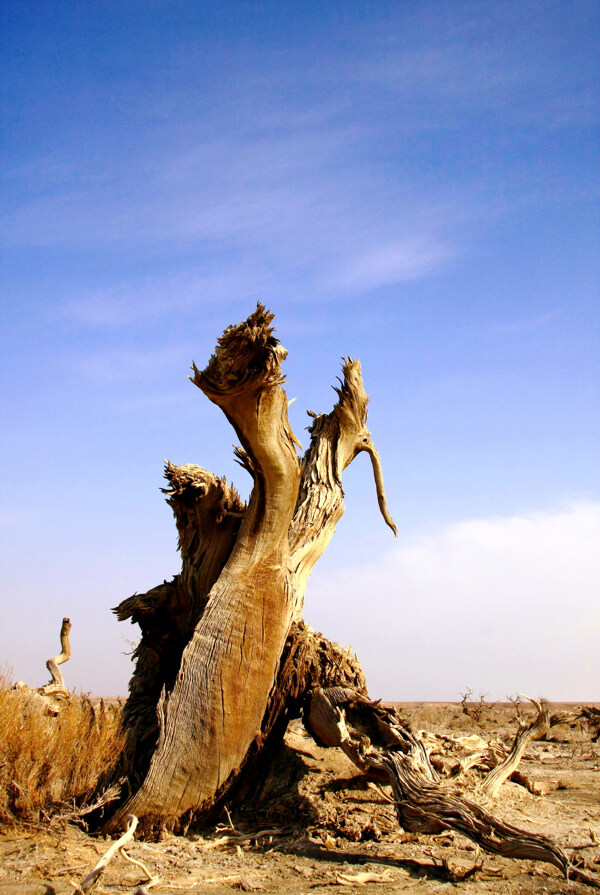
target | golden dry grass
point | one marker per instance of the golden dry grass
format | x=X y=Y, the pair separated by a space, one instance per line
x=48 y=762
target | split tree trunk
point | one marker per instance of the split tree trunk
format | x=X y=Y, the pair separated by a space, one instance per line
x=224 y=653
x=225 y=659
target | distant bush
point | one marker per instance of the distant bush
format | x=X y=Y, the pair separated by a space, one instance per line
x=49 y=763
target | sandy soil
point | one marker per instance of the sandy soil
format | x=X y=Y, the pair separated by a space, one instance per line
x=327 y=829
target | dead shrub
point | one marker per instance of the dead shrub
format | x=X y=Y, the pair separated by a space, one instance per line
x=48 y=762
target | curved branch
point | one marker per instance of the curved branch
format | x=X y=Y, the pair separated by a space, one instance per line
x=244 y=379
x=56 y=687
x=538 y=728
x=373 y=453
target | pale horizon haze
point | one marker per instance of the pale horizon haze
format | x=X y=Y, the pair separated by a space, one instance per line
x=411 y=184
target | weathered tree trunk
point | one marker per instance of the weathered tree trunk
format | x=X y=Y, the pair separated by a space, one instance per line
x=225 y=659
x=214 y=678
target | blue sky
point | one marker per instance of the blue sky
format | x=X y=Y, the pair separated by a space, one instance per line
x=413 y=184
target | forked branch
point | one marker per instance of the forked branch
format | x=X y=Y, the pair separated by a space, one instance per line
x=336 y=439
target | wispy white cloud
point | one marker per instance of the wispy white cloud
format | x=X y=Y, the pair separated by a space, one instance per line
x=525 y=325
x=404 y=259
x=297 y=202
x=504 y=605
x=466 y=64
x=305 y=182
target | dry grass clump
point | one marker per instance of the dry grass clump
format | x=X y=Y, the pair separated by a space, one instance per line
x=48 y=762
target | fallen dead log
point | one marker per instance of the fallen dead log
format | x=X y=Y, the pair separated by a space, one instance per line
x=423 y=805
x=587 y=713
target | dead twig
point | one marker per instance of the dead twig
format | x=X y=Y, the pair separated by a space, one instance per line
x=380 y=792
x=150 y=879
x=361 y=879
x=234 y=837
x=94 y=874
x=200 y=882
x=76 y=815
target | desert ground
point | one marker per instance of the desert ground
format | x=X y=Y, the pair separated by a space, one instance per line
x=317 y=825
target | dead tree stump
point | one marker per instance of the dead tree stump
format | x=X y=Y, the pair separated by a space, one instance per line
x=223 y=657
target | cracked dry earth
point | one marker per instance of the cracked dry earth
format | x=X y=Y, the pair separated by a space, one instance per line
x=318 y=826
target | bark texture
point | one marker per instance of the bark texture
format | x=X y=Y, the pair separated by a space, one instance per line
x=219 y=666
